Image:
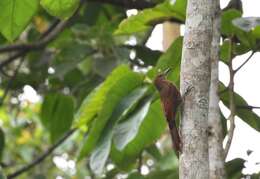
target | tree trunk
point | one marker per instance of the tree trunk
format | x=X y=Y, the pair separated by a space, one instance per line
x=195 y=75
x=215 y=138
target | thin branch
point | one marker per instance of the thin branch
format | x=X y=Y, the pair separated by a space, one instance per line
x=12 y=58
x=39 y=44
x=10 y=81
x=129 y=4
x=50 y=29
x=4 y=73
x=245 y=62
x=140 y=162
x=248 y=107
x=41 y=157
x=232 y=105
x=54 y=30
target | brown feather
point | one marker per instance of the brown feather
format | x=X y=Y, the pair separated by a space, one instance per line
x=170 y=99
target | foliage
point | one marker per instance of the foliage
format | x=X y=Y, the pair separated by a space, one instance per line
x=83 y=75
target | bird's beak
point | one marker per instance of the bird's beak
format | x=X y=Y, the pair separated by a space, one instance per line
x=166 y=72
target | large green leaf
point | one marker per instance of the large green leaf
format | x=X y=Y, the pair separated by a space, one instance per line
x=148 y=56
x=234 y=168
x=165 y=174
x=15 y=16
x=57 y=114
x=251 y=25
x=245 y=114
x=157 y=174
x=225 y=51
x=170 y=59
x=230 y=30
x=247 y=23
x=125 y=83
x=150 y=130
x=95 y=100
x=60 y=8
x=2 y=175
x=148 y=17
x=100 y=154
x=69 y=57
x=227 y=27
x=168 y=161
x=127 y=130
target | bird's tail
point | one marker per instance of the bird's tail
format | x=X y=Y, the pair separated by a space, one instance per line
x=176 y=141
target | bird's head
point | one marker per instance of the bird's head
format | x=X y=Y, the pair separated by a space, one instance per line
x=160 y=78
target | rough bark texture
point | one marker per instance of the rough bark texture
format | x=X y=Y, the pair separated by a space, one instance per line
x=215 y=138
x=195 y=75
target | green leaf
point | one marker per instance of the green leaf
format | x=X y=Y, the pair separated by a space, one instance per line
x=165 y=174
x=127 y=130
x=2 y=143
x=2 y=175
x=150 y=130
x=118 y=85
x=256 y=32
x=227 y=27
x=57 y=114
x=170 y=59
x=148 y=56
x=223 y=123
x=246 y=23
x=15 y=15
x=135 y=175
x=94 y=101
x=225 y=51
x=148 y=17
x=157 y=174
x=154 y=151
x=69 y=57
x=60 y=8
x=234 y=168
x=168 y=161
x=246 y=115
x=99 y=156
x=240 y=49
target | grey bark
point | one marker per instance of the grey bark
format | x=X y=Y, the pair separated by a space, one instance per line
x=215 y=138
x=195 y=74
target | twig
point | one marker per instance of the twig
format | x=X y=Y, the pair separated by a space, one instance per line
x=12 y=58
x=232 y=105
x=248 y=107
x=245 y=62
x=53 y=31
x=10 y=81
x=4 y=73
x=50 y=29
x=140 y=162
x=41 y=157
x=129 y=4
x=37 y=45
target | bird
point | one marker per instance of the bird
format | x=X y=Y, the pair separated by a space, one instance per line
x=170 y=99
